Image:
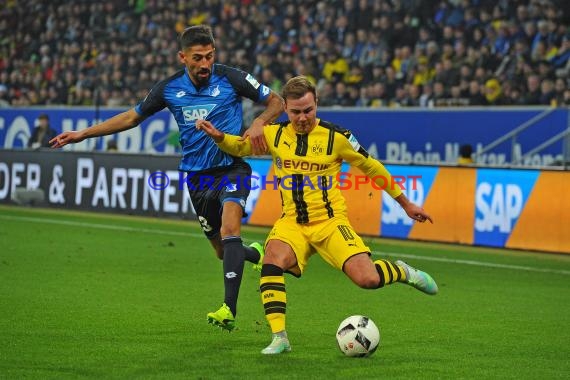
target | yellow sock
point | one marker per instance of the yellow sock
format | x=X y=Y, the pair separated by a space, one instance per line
x=273 y=296
x=389 y=272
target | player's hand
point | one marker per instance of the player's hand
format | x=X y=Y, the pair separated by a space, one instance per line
x=417 y=213
x=70 y=137
x=210 y=130
x=413 y=210
x=255 y=133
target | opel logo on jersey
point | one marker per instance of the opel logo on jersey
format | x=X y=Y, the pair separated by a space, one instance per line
x=193 y=113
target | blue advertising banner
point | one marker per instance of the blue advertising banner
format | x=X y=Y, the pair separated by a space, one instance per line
x=500 y=197
x=396 y=136
x=434 y=136
x=416 y=183
x=259 y=172
x=154 y=135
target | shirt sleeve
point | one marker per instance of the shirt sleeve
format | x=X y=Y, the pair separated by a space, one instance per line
x=153 y=102
x=246 y=85
x=350 y=150
x=233 y=145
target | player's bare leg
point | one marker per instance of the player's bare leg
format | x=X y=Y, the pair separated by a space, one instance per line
x=371 y=275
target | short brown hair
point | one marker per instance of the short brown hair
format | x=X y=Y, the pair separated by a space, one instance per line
x=196 y=35
x=297 y=87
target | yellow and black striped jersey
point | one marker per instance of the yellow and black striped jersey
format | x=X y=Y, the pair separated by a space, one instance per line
x=308 y=167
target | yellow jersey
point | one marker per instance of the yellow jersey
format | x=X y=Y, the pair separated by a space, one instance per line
x=308 y=167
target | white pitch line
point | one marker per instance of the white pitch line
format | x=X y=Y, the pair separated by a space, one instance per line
x=99 y=226
x=473 y=263
x=191 y=234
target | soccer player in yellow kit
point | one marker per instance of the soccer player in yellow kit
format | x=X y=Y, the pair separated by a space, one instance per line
x=307 y=154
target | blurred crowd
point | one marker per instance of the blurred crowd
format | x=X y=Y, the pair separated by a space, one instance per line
x=364 y=53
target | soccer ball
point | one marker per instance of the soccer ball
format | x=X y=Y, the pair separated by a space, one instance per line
x=358 y=336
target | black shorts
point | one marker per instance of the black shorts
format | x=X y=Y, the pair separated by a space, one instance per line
x=210 y=189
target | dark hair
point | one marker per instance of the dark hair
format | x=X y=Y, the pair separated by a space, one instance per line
x=196 y=35
x=297 y=87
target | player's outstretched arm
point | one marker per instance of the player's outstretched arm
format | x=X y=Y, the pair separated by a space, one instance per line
x=118 y=123
x=234 y=145
x=413 y=210
x=352 y=152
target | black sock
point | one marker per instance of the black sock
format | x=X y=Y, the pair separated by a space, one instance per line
x=233 y=270
x=251 y=254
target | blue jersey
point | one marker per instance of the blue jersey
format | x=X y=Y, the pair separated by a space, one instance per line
x=218 y=102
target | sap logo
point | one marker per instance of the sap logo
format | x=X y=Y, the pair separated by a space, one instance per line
x=193 y=113
x=497 y=206
x=392 y=212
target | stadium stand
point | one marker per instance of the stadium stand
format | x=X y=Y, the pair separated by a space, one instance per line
x=366 y=53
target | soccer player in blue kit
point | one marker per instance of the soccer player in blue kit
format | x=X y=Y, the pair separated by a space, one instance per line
x=210 y=91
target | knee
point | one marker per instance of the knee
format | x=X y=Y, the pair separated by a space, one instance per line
x=367 y=281
x=282 y=260
x=230 y=230
x=272 y=258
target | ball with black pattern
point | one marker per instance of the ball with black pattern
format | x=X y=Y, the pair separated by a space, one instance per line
x=358 y=336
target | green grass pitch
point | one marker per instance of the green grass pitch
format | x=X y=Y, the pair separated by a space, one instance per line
x=86 y=295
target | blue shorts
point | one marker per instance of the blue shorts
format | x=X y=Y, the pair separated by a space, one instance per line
x=210 y=189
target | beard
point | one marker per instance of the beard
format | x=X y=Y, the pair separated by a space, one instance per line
x=202 y=79
x=303 y=128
